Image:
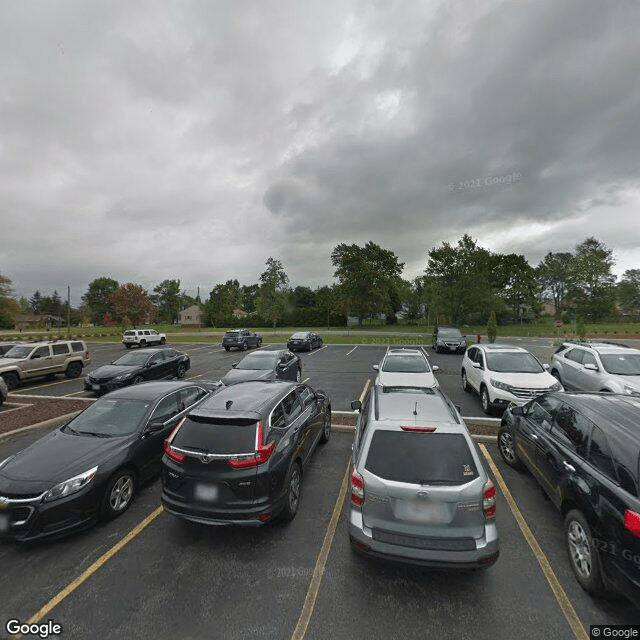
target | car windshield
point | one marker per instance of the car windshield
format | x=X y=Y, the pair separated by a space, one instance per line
x=258 y=361
x=299 y=336
x=133 y=359
x=513 y=363
x=449 y=333
x=109 y=417
x=405 y=364
x=621 y=364
x=18 y=351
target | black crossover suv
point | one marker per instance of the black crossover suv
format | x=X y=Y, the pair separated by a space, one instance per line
x=584 y=450
x=239 y=458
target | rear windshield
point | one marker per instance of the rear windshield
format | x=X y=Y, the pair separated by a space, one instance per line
x=421 y=458
x=405 y=364
x=231 y=334
x=223 y=436
x=621 y=364
x=129 y=333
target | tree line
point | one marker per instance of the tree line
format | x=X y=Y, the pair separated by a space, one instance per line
x=463 y=283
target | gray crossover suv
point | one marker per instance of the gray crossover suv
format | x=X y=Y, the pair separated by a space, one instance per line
x=419 y=490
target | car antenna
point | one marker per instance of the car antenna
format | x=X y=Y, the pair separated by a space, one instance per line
x=415 y=410
x=228 y=404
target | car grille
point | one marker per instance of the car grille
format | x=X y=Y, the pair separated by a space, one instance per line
x=434 y=544
x=452 y=345
x=94 y=380
x=527 y=394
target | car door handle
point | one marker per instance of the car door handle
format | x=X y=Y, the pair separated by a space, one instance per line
x=568 y=467
x=534 y=436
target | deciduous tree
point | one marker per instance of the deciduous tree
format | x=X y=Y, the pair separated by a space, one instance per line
x=553 y=274
x=132 y=301
x=271 y=302
x=97 y=299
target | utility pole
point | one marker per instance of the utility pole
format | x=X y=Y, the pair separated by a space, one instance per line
x=68 y=311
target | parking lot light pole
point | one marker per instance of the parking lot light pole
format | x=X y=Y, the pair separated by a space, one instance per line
x=68 y=311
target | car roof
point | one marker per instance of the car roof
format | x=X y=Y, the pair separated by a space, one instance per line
x=501 y=347
x=413 y=403
x=245 y=397
x=152 y=390
x=603 y=347
x=265 y=352
x=618 y=409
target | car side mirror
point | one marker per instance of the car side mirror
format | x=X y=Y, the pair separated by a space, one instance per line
x=376 y=367
x=154 y=426
x=517 y=411
x=282 y=365
x=435 y=368
x=234 y=365
x=591 y=367
x=147 y=365
x=476 y=365
x=356 y=405
x=545 y=367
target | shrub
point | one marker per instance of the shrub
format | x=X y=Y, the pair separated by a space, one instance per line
x=492 y=327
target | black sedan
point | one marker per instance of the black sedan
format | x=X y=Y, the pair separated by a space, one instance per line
x=133 y=368
x=91 y=467
x=307 y=340
x=265 y=365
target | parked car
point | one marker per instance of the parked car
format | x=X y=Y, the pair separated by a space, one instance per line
x=241 y=339
x=584 y=451
x=134 y=368
x=265 y=365
x=502 y=374
x=91 y=467
x=5 y=346
x=37 y=359
x=405 y=368
x=449 y=340
x=420 y=492
x=4 y=391
x=304 y=340
x=239 y=457
x=597 y=366
x=142 y=338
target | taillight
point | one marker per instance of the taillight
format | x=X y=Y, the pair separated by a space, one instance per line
x=262 y=454
x=419 y=429
x=489 y=500
x=632 y=522
x=357 y=489
x=169 y=450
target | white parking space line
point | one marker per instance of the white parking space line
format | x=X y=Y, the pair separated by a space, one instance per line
x=306 y=380
x=364 y=391
x=313 y=353
x=67 y=395
x=41 y=386
x=352 y=350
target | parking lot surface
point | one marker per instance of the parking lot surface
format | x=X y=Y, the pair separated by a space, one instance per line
x=172 y=579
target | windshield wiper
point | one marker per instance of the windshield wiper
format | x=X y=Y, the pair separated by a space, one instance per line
x=91 y=433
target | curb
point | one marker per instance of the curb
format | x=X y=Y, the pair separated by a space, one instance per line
x=52 y=422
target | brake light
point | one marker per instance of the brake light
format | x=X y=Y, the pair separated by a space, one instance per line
x=357 y=489
x=419 y=429
x=632 y=522
x=169 y=450
x=262 y=454
x=489 y=500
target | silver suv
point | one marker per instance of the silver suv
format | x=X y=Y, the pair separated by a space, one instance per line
x=142 y=338
x=598 y=366
x=26 y=361
x=420 y=492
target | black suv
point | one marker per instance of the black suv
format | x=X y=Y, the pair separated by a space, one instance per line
x=239 y=457
x=584 y=450
x=449 y=340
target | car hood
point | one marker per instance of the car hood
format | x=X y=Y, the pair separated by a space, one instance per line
x=243 y=375
x=114 y=370
x=56 y=457
x=6 y=362
x=394 y=379
x=540 y=380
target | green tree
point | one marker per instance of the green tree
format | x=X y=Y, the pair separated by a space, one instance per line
x=492 y=327
x=98 y=298
x=628 y=293
x=515 y=282
x=327 y=301
x=35 y=303
x=272 y=296
x=553 y=275
x=9 y=307
x=366 y=278
x=132 y=301
x=223 y=299
x=168 y=298
x=248 y=297
x=591 y=281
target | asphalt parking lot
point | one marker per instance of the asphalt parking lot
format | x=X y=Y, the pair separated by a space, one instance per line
x=170 y=579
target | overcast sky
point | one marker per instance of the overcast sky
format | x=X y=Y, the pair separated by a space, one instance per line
x=193 y=140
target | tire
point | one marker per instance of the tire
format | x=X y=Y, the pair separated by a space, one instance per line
x=74 y=369
x=181 y=371
x=11 y=379
x=227 y=348
x=556 y=374
x=299 y=375
x=485 y=401
x=118 y=494
x=244 y=346
x=294 y=485
x=583 y=554
x=326 y=427
x=508 y=450
x=128 y=346
x=137 y=380
x=259 y=344
x=163 y=340
x=465 y=383
x=143 y=344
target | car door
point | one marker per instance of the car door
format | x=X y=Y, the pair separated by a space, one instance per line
x=157 y=367
x=312 y=413
x=476 y=370
x=298 y=424
x=59 y=355
x=39 y=362
x=571 y=366
x=588 y=376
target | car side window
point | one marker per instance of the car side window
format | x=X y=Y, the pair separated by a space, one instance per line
x=292 y=406
x=572 y=428
x=575 y=355
x=472 y=354
x=77 y=346
x=167 y=408
x=600 y=454
x=60 y=349
x=307 y=396
x=277 y=417
x=589 y=358
x=157 y=358
x=540 y=412
x=40 y=352
x=190 y=396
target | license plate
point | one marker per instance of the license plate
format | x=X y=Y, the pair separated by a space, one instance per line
x=4 y=521
x=423 y=511
x=206 y=492
x=95 y=387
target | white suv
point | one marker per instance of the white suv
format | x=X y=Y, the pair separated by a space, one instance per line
x=405 y=368
x=504 y=374
x=142 y=338
x=598 y=366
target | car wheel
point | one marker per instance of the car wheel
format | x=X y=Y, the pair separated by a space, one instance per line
x=143 y=343
x=227 y=348
x=11 y=380
x=118 y=494
x=127 y=346
x=137 y=380
x=326 y=426
x=74 y=369
x=583 y=553
x=507 y=449
x=556 y=374
x=299 y=375
x=465 y=383
x=294 y=485
x=181 y=370
x=259 y=343
x=244 y=346
x=163 y=340
x=485 y=401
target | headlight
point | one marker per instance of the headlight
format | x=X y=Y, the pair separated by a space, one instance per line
x=500 y=385
x=5 y=461
x=71 y=485
x=627 y=389
x=555 y=387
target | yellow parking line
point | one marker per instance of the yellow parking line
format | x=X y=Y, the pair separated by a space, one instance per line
x=318 y=571
x=69 y=589
x=560 y=594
